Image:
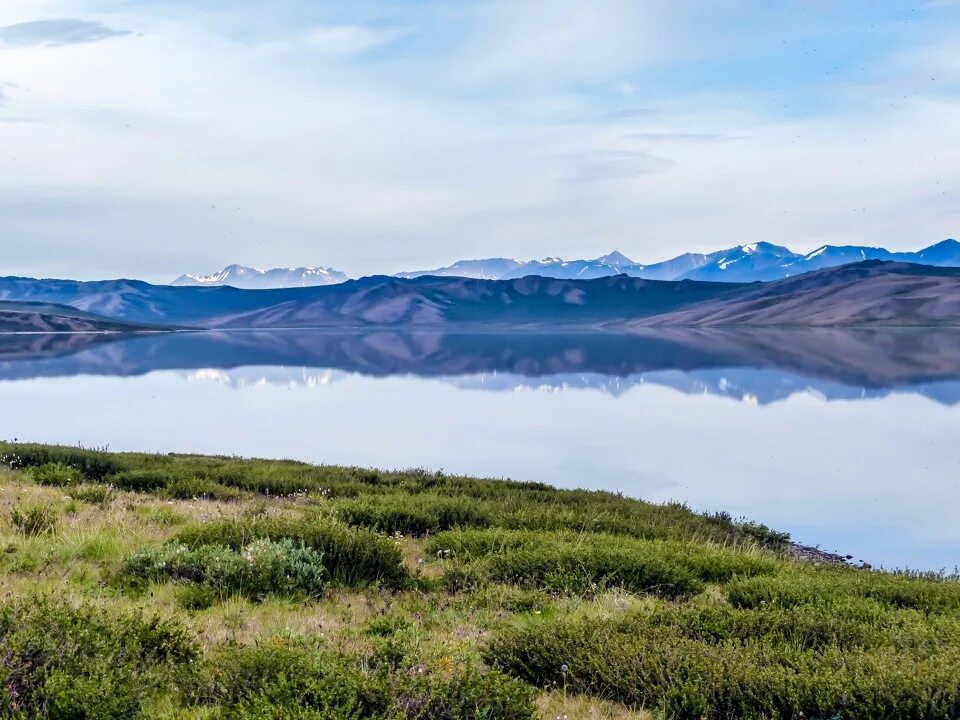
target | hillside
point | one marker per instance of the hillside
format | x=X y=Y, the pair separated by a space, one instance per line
x=862 y=294
x=201 y=587
x=27 y=317
x=374 y=301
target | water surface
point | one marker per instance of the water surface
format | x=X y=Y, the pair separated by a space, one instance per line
x=847 y=439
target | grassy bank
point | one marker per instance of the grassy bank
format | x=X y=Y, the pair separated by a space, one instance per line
x=195 y=587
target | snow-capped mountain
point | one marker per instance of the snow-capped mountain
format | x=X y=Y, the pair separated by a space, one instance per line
x=743 y=263
x=946 y=254
x=485 y=269
x=249 y=278
x=614 y=263
x=756 y=261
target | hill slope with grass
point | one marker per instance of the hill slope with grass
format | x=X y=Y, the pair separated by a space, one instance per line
x=206 y=587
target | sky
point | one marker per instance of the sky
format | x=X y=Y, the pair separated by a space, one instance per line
x=147 y=138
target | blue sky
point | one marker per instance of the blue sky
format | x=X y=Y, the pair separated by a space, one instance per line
x=147 y=138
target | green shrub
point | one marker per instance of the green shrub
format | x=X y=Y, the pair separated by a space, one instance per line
x=387 y=625
x=413 y=514
x=354 y=558
x=56 y=475
x=139 y=480
x=471 y=695
x=92 y=464
x=267 y=681
x=569 y=563
x=763 y=534
x=682 y=665
x=101 y=495
x=261 y=568
x=35 y=520
x=800 y=586
x=190 y=488
x=64 y=662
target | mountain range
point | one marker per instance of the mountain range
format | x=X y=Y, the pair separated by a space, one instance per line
x=859 y=294
x=250 y=278
x=746 y=263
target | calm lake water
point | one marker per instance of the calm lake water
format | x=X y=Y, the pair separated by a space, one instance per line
x=848 y=440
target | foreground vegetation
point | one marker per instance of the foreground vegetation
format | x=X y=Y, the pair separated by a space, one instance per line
x=196 y=587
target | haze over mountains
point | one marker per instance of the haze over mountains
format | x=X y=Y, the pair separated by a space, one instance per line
x=859 y=294
x=745 y=263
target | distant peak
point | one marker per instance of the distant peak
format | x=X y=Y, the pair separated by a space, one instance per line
x=615 y=258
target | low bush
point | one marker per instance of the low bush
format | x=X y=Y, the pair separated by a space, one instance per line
x=763 y=534
x=56 y=475
x=353 y=558
x=100 y=495
x=755 y=667
x=93 y=464
x=60 y=661
x=799 y=586
x=198 y=488
x=266 y=681
x=263 y=567
x=470 y=695
x=35 y=520
x=572 y=563
x=168 y=485
x=139 y=480
x=413 y=514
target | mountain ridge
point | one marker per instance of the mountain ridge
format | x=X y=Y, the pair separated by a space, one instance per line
x=866 y=293
x=743 y=263
x=251 y=278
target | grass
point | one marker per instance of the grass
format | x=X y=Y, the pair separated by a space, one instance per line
x=196 y=587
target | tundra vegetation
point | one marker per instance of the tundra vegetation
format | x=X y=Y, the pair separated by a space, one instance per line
x=171 y=586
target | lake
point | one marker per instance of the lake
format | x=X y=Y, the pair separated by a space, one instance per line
x=846 y=439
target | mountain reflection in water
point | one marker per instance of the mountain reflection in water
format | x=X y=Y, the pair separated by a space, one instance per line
x=761 y=366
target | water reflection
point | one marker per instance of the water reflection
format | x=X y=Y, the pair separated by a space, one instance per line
x=759 y=366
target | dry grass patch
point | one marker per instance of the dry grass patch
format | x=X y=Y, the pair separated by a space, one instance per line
x=556 y=706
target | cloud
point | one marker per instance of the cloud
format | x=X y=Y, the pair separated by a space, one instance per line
x=347 y=40
x=333 y=140
x=54 y=33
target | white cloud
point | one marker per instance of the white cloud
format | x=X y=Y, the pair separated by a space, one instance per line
x=346 y=40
